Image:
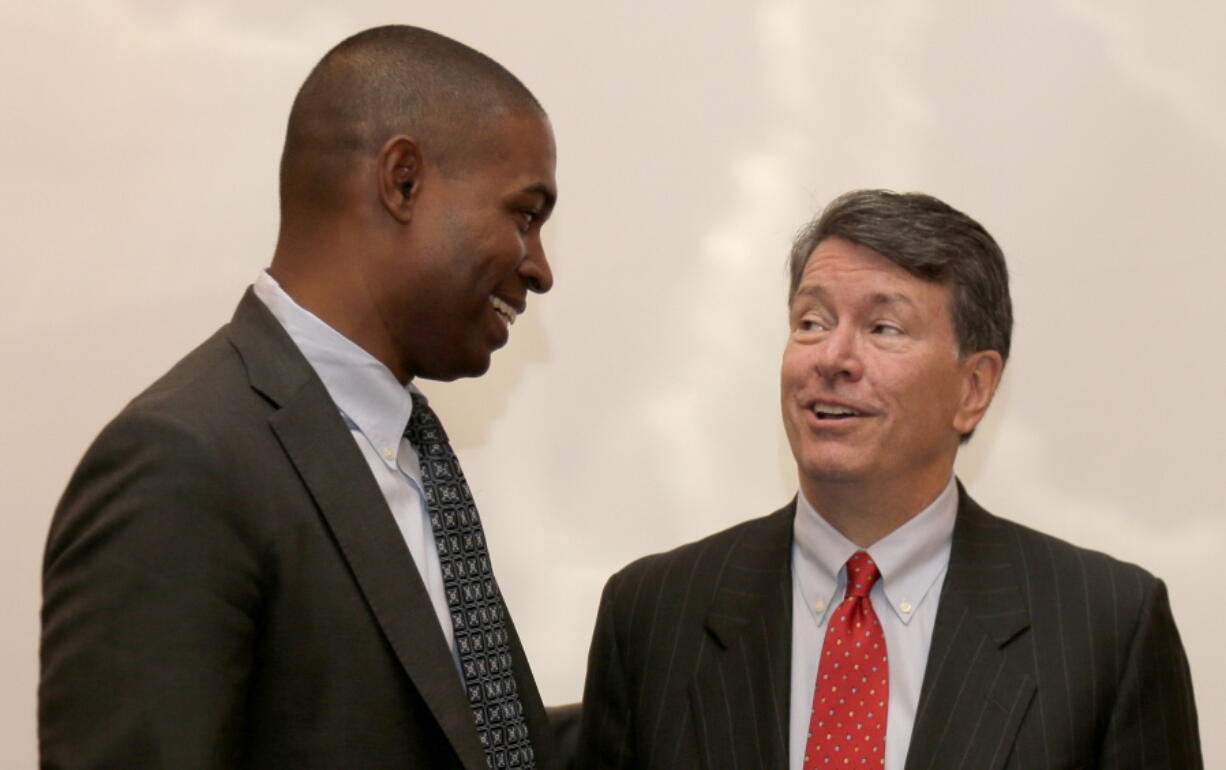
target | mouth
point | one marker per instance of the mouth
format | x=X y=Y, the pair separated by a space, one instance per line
x=504 y=310
x=835 y=412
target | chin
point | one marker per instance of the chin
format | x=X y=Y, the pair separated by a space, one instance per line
x=457 y=369
x=833 y=469
x=459 y=373
x=834 y=475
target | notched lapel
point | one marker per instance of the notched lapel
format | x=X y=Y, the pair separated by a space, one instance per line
x=741 y=693
x=320 y=446
x=974 y=697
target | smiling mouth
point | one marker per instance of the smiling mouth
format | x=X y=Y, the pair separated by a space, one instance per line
x=504 y=311
x=832 y=412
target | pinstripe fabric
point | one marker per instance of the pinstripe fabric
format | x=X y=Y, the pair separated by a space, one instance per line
x=1044 y=655
x=689 y=666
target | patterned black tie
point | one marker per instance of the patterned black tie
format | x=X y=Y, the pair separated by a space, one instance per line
x=478 y=615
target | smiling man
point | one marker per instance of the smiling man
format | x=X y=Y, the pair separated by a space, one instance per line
x=883 y=619
x=270 y=558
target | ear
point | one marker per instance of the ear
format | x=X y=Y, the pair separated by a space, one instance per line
x=400 y=174
x=980 y=375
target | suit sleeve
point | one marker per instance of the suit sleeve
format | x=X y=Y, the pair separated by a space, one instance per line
x=149 y=602
x=1153 y=721
x=606 y=739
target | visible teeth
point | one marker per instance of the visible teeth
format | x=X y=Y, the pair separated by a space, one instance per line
x=503 y=309
x=830 y=409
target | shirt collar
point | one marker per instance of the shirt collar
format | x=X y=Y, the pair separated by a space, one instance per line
x=367 y=393
x=910 y=558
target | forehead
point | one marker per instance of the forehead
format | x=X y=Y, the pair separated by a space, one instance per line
x=840 y=269
x=521 y=143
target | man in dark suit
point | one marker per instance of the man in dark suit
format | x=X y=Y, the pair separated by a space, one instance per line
x=882 y=618
x=269 y=558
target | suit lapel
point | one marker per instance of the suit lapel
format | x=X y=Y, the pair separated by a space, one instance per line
x=741 y=694
x=321 y=447
x=973 y=699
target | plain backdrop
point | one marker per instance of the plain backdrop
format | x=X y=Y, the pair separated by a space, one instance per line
x=636 y=406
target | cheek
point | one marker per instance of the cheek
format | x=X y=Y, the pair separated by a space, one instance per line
x=793 y=368
x=938 y=397
x=787 y=382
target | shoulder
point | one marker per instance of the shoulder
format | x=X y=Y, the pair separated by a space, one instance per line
x=1048 y=568
x=196 y=389
x=183 y=446
x=179 y=408
x=702 y=565
x=227 y=379
x=1034 y=545
x=212 y=397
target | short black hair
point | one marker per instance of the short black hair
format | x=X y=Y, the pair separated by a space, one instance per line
x=393 y=80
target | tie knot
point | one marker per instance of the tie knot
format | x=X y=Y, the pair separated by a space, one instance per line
x=424 y=427
x=862 y=572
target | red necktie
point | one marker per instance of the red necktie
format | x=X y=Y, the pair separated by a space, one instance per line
x=852 y=697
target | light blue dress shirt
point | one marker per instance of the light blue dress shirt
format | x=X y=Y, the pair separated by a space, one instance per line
x=912 y=561
x=376 y=407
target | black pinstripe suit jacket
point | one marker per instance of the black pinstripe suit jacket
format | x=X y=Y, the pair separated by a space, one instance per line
x=1044 y=655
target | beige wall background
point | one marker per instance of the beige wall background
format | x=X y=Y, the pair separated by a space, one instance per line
x=636 y=406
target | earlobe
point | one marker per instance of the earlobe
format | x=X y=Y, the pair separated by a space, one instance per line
x=400 y=177
x=982 y=371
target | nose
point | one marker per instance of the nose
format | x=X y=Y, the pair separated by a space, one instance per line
x=535 y=270
x=838 y=356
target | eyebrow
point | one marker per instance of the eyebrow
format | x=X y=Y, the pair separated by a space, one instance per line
x=877 y=298
x=893 y=298
x=545 y=191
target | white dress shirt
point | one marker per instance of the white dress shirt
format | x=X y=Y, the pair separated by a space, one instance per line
x=912 y=561
x=376 y=407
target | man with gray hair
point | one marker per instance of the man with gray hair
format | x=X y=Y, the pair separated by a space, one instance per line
x=882 y=618
x=270 y=558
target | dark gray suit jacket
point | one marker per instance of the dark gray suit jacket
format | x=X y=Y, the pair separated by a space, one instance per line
x=225 y=587
x=1044 y=655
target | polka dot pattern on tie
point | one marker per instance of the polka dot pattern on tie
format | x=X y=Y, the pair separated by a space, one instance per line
x=852 y=696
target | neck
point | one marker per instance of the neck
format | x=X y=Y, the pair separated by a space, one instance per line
x=334 y=296
x=865 y=512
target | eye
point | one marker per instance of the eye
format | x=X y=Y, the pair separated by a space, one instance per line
x=526 y=219
x=810 y=325
x=886 y=328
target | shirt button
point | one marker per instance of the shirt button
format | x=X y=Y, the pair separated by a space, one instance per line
x=819 y=606
x=905 y=607
x=389 y=454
